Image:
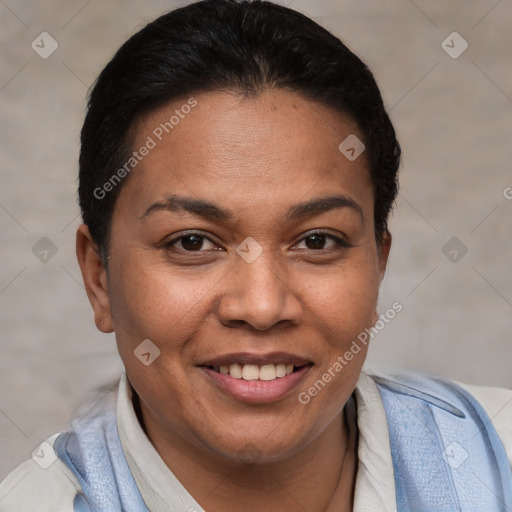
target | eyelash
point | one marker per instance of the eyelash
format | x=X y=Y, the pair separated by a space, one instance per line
x=339 y=242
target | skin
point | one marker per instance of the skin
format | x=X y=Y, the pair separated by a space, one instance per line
x=255 y=157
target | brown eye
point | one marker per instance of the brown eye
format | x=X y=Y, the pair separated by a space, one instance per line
x=189 y=243
x=317 y=241
x=192 y=242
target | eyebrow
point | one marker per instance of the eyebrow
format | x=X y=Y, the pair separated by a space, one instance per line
x=322 y=205
x=211 y=211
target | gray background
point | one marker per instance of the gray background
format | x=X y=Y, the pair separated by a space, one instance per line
x=453 y=118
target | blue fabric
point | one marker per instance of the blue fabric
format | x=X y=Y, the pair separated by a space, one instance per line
x=446 y=453
x=93 y=452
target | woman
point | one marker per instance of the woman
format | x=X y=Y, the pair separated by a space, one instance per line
x=237 y=171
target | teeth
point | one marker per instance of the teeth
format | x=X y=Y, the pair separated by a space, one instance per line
x=235 y=370
x=268 y=372
x=250 y=372
x=255 y=372
x=280 y=370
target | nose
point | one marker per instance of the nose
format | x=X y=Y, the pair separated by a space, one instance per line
x=259 y=294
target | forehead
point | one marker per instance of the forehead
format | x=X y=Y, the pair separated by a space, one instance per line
x=239 y=151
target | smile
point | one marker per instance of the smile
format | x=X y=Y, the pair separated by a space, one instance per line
x=254 y=372
x=256 y=378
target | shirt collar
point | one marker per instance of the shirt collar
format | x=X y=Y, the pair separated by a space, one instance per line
x=375 y=481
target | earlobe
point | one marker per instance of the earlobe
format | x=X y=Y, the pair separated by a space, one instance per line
x=95 y=280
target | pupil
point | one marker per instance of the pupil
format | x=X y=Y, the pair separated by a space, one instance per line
x=195 y=244
x=318 y=240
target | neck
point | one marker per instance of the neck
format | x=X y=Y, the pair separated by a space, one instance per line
x=313 y=479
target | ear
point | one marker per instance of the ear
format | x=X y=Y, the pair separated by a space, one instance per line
x=95 y=280
x=383 y=250
x=385 y=247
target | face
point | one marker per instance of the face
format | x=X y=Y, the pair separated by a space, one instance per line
x=242 y=243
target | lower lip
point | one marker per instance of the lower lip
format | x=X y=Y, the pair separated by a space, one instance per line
x=257 y=391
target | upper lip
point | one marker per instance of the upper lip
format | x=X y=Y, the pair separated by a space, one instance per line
x=257 y=359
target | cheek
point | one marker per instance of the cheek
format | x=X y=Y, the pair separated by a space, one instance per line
x=350 y=296
x=151 y=301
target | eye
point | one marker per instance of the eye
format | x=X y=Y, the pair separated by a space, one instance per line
x=317 y=240
x=192 y=242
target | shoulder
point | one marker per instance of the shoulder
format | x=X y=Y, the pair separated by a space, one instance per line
x=43 y=483
x=497 y=403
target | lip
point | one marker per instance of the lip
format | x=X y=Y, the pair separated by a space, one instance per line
x=258 y=359
x=256 y=391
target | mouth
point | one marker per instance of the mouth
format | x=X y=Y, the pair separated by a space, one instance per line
x=266 y=372
x=255 y=377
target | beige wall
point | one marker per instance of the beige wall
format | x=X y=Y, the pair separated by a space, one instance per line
x=454 y=121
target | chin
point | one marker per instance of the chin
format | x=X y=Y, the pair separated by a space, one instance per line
x=267 y=447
